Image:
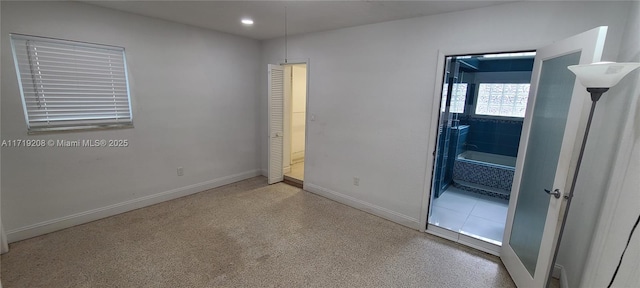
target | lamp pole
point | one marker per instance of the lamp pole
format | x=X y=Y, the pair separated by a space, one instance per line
x=598 y=78
x=596 y=93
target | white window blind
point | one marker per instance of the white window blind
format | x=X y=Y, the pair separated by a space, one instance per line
x=71 y=85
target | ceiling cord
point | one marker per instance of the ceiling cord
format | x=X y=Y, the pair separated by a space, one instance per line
x=285 y=34
x=623 y=251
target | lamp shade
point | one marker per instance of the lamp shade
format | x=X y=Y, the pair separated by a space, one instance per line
x=602 y=74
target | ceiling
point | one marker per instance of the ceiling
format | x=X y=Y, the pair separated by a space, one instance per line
x=302 y=16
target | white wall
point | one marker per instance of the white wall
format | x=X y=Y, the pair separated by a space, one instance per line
x=298 y=111
x=194 y=105
x=371 y=91
x=621 y=193
x=595 y=178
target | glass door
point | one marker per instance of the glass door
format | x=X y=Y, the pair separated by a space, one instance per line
x=546 y=157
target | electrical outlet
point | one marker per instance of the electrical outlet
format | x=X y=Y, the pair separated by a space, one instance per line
x=180 y=171
x=356 y=181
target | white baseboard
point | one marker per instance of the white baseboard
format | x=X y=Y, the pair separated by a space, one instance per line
x=364 y=206
x=99 y=213
x=265 y=173
x=557 y=270
x=562 y=276
x=297 y=157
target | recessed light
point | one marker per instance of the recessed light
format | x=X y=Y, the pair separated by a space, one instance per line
x=247 y=21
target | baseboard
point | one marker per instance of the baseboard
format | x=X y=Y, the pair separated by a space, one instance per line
x=264 y=172
x=562 y=276
x=103 y=212
x=297 y=157
x=364 y=206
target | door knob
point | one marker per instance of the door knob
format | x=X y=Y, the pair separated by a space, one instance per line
x=556 y=193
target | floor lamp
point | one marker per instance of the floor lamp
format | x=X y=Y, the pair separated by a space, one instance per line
x=597 y=78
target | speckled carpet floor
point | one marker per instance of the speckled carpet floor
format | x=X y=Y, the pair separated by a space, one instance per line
x=247 y=234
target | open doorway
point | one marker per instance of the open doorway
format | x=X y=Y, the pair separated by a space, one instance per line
x=295 y=105
x=484 y=98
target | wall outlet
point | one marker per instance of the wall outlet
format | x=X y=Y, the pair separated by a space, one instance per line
x=180 y=171
x=356 y=181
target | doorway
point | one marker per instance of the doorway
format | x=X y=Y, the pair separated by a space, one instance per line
x=483 y=104
x=547 y=159
x=295 y=105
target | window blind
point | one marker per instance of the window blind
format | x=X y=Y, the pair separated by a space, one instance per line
x=71 y=85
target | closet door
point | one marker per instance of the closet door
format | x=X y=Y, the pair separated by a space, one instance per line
x=276 y=123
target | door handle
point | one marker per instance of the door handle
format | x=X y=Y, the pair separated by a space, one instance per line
x=556 y=193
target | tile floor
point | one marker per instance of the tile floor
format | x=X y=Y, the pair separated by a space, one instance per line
x=297 y=171
x=472 y=214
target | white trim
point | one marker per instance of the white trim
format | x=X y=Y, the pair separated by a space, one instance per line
x=464 y=240
x=557 y=270
x=561 y=274
x=442 y=232
x=564 y=280
x=432 y=141
x=52 y=225
x=307 y=63
x=297 y=157
x=478 y=244
x=294 y=62
x=4 y=244
x=364 y=206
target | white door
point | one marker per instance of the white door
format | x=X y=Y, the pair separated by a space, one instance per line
x=553 y=126
x=276 y=123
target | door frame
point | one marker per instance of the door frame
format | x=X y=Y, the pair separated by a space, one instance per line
x=432 y=136
x=307 y=117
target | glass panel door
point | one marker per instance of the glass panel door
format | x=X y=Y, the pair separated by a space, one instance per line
x=545 y=140
x=546 y=159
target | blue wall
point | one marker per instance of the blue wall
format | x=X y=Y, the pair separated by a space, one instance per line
x=493 y=135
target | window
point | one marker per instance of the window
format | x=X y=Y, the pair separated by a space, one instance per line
x=458 y=100
x=69 y=85
x=500 y=99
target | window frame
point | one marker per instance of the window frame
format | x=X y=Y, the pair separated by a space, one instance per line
x=70 y=127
